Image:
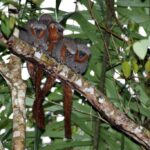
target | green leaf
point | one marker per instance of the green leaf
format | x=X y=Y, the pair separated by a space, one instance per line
x=57 y=5
x=37 y=2
x=5 y=26
x=111 y=88
x=133 y=3
x=140 y=48
x=87 y=28
x=144 y=98
x=135 y=65
x=12 y=22
x=15 y=4
x=145 y=111
x=4 y=123
x=147 y=66
x=132 y=14
x=59 y=145
x=126 y=68
x=79 y=121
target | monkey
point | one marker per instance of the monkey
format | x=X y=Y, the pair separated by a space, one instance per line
x=75 y=55
x=35 y=34
x=39 y=35
x=55 y=32
x=56 y=35
x=50 y=41
x=72 y=53
x=79 y=61
x=47 y=35
x=25 y=32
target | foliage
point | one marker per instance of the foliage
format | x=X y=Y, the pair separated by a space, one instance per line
x=127 y=78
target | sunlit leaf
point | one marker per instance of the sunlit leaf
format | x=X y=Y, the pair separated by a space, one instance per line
x=37 y=2
x=140 y=48
x=147 y=66
x=135 y=65
x=14 y=3
x=126 y=68
x=12 y=21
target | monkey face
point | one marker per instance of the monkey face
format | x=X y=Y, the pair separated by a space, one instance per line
x=78 y=61
x=76 y=66
x=25 y=33
x=39 y=33
x=83 y=49
x=38 y=30
x=55 y=32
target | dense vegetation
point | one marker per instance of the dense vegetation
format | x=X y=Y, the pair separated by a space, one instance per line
x=119 y=67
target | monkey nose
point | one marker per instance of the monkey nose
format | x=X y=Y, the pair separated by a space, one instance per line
x=52 y=26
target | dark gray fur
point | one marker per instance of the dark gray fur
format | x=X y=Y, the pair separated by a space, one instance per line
x=72 y=48
x=76 y=66
x=46 y=19
x=41 y=44
x=25 y=33
x=65 y=42
x=27 y=36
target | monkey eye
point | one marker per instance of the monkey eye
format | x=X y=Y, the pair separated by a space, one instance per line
x=60 y=30
x=81 y=54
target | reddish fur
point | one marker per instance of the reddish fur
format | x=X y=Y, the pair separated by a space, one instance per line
x=38 y=112
x=80 y=60
x=53 y=37
x=67 y=109
x=31 y=70
x=32 y=31
x=63 y=54
x=50 y=47
x=38 y=78
x=53 y=34
x=42 y=33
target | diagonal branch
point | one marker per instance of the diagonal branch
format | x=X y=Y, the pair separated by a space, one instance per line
x=96 y=98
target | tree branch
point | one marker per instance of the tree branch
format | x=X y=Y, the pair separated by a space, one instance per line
x=96 y=98
x=11 y=72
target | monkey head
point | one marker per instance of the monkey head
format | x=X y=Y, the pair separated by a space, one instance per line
x=46 y=19
x=55 y=31
x=25 y=33
x=78 y=61
x=35 y=33
x=39 y=33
